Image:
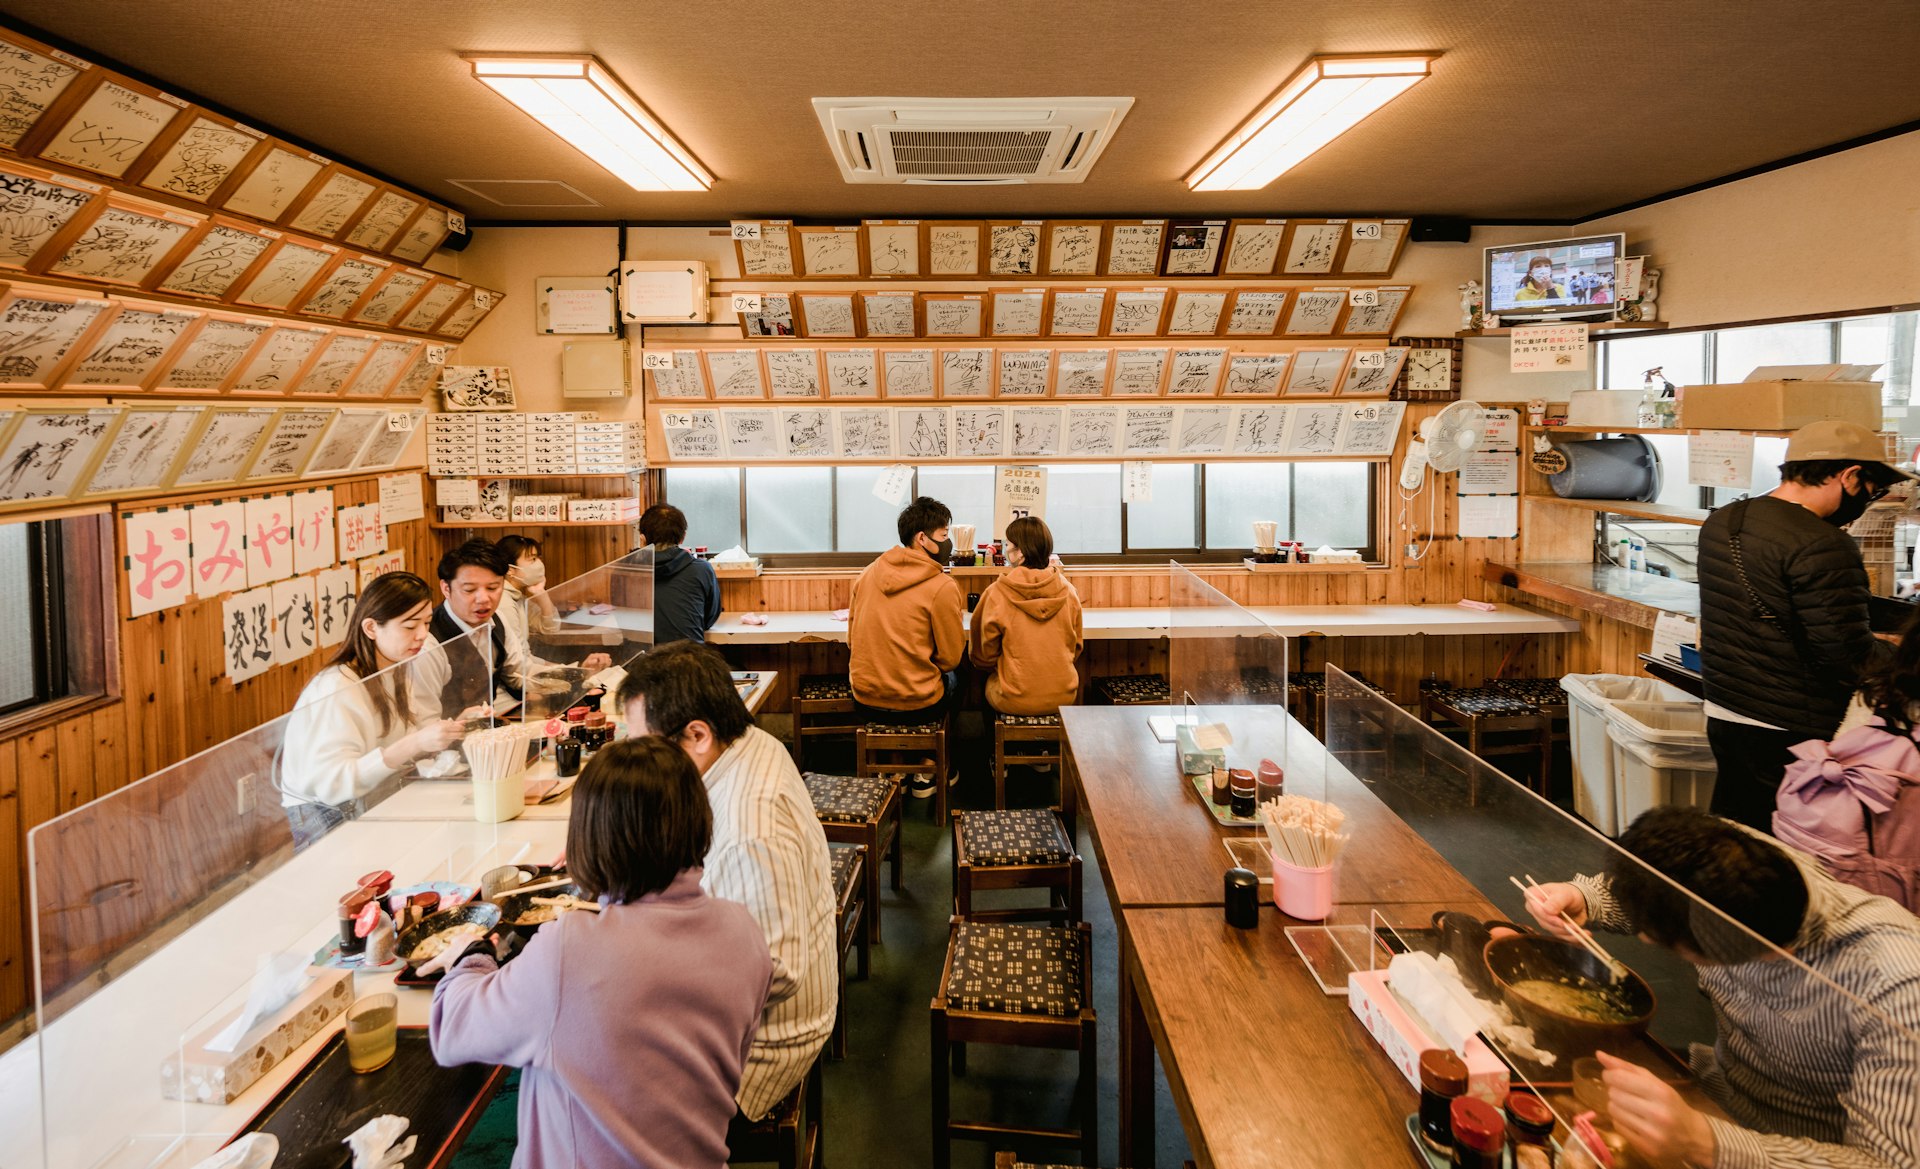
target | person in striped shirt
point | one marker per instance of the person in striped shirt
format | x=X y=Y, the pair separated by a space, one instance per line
x=769 y=852
x=1815 y=987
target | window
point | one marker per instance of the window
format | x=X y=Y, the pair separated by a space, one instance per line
x=55 y=629
x=830 y=516
x=1729 y=355
x=20 y=672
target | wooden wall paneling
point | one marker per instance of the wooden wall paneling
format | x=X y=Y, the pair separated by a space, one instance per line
x=15 y=928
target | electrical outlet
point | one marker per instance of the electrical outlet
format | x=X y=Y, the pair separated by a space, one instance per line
x=243 y=794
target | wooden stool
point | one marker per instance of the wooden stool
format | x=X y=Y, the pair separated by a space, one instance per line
x=1043 y=729
x=864 y=811
x=849 y=898
x=1496 y=723
x=1133 y=689
x=883 y=748
x=1551 y=698
x=822 y=706
x=1018 y=986
x=789 y=1135
x=1024 y=848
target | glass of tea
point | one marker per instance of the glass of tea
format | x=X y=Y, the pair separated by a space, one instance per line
x=373 y=1031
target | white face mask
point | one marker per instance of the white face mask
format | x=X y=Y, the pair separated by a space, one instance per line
x=531 y=572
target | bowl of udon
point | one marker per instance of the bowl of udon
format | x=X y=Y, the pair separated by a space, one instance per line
x=1568 y=995
x=430 y=935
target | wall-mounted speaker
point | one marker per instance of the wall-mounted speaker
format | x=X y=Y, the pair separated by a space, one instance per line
x=1440 y=229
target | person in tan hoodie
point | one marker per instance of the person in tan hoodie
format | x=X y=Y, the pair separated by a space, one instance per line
x=905 y=629
x=1026 y=628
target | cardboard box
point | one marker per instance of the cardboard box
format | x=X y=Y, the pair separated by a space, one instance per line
x=1604 y=407
x=1779 y=405
x=603 y=510
x=1403 y=1037
x=218 y=1077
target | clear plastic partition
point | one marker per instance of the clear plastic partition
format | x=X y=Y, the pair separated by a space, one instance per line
x=600 y=621
x=1809 y=1033
x=154 y=906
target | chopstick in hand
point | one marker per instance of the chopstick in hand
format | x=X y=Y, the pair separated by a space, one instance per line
x=1580 y=934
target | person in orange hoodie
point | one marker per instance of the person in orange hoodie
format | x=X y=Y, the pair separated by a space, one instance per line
x=1026 y=628
x=905 y=628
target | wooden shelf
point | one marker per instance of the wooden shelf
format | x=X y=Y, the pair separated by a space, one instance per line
x=1551 y=430
x=1592 y=328
x=441 y=526
x=1623 y=507
x=1604 y=590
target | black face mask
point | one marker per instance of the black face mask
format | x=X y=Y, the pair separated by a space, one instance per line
x=943 y=550
x=1853 y=505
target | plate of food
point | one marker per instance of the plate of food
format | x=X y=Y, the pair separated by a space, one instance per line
x=432 y=935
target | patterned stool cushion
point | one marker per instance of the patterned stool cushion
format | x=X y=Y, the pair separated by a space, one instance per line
x=1485 y=702
x=1016 y=836
x=895 y=729
x=1126 y=688
x=826 y=688
x=842 y=858
x=1010 y=969
x=1539 y=691
x=1027 y=720
x=847 y=799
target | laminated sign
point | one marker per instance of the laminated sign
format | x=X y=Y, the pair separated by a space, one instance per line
x=1549 y=348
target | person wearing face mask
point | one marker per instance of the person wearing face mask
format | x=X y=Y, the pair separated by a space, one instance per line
x=1784 y=634
x=525 y=607
x=357 y=722
x=906 y=632
x=1026 y=628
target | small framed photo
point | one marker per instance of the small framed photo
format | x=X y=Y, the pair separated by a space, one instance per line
x=829 y=253
x=1014 y=246
x=890 y=313
x=952 y=248
x=1073 y=246
x=954 y=314
x=769 y=256
x=1133 y=247
x=775 y=318
x=1137 y=312
x=892 y=248
x=828 y=314
x=1253 y=247
x=1017 y=312
x=1193 y=248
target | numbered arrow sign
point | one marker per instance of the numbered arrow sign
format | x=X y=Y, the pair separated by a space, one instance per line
x=1364 y=298
x=1366 y=231
x=746 y=231
x=437 y=354
x=652 y=360
x=746 y=302
x=1371 y=359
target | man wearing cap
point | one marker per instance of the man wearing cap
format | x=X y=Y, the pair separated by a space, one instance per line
x=1783 y=612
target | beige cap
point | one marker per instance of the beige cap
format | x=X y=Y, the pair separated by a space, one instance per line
x=1849 y=441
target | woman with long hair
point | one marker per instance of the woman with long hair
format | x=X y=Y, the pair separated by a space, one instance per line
x=354 y=725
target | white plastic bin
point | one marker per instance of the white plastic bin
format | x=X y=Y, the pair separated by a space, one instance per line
x=1589 y=697
x=1660 y=756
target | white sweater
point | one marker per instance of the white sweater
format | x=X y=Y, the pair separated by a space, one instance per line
x=331 y=752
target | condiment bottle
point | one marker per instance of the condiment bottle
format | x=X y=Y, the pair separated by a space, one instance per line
x=1241 y=792
x=1531 y=1123
x=1272 y=782
x=1443 y=1079
x=1219 y=787
x=379 y=935
x=352 y=943
x=999 y=554
x=1479 y=1134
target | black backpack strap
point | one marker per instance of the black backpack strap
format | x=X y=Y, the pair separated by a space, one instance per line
x=1788 y=625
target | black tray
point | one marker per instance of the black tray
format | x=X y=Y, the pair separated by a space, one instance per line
x=319 y=1108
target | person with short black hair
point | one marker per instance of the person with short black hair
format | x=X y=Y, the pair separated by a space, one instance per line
x=1815 y=988
x=525 y=608
x=906 y=631
x=1026 y=628
x=769 y=852
x=686 y=593
x=472 y=577
x=633 y=1024
x=1784 y=633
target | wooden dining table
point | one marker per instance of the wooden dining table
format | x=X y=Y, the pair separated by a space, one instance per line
x=1265 y=1068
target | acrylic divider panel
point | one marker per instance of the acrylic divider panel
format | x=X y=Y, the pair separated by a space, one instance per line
x=153 y=905
x=606 y=611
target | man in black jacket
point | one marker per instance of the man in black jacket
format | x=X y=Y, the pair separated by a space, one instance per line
x=1783 y=612
x=686 y=593
x=471 y=579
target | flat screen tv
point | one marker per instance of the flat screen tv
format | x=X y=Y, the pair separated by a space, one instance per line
x=1557 y=279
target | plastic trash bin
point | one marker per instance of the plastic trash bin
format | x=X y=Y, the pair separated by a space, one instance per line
x=1589 y=697
x=1660 y=756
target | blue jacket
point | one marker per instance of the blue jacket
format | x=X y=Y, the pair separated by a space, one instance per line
x=686 y=597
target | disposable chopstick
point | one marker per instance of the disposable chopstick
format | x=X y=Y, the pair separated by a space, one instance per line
x=1580 y=933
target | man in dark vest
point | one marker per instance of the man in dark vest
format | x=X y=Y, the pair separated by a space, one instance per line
x=472 y=578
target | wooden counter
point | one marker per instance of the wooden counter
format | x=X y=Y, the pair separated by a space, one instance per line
x=1606 y=590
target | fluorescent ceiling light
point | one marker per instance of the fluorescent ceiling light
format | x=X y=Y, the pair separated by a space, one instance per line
x=1318 y=104
x=578 y=99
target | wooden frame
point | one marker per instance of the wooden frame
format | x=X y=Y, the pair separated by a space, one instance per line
x=909 y=374
x=686 y=380
x=1315 y=312
x=272 y=182
x=1252 y=247
x=1136 y=312
x=105 y=125
x=41 y=204
x=432 y=305
x=1378 y=320
x=830 y=253
x=337 y=438
x=774 y=256
x=130 y=348
x=383 y=220
x=337 y=364
x=828 y=314
x=1375 y=257
x=1082 y=373
x=1196 y=372
x=45 y=331
x=1196 y=312
x=422 y=236
x=419 y=380
x=198 y=155
x=1194 y=247
x=954 y=314
x=1312 y=247
x=954 y=248
x=965 y=373
x=155 y=438
x=884 y=311
x=1133 y=247
x=1073 y=247
x=53 y=449
x=1023 y=374
x=391 y=296
x=1016 y=248
x=345 y=284
x=735 y=374
x=1138 y=372
x=1252 y=308
x=891 y=249
x=467 y=313
x=287 y=273
x=330 y=203
x=793 y=374
x=1016 y=312
x=123 y=242
x=278 y=363
x=1077 y=312
x=217 y=261
x=851 y=373
x=383 y=451
x=36 y=78
x=1254 y=375
x=384 y=367
x=288 y=444
x=1316 y=372
x=777 y=311
x=212 y=354
x=1365 y=381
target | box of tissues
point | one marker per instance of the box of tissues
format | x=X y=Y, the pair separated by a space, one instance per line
x=203 y=1076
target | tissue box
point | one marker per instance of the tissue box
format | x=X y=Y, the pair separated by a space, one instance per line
x=1778 y=405
x=200 y=1076
x=1402 y=1037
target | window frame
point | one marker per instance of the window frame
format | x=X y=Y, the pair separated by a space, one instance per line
x=74 y=601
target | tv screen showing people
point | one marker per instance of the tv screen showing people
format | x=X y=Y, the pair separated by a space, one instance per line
x=1557 y=278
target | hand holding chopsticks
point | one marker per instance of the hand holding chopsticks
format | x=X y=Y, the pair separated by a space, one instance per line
x=1575 y=930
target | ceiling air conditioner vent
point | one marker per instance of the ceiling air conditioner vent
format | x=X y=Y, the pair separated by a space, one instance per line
x=968 y=141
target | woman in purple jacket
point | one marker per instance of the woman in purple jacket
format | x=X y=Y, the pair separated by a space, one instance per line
x=633 y=1023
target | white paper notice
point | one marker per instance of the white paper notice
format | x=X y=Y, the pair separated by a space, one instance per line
x=580 y=310
x=1502 y=432
x=1017 y=492
x=1670 y=632
x=456 y=492
x=1137 y=483
x=1548 y=348
x=1490 y=473
x=894 y=484
x=401 y=498
x=1720 y=458
x=1489 y=516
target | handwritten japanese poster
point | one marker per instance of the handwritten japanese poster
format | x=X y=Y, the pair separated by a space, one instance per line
x=269 y=539
x=246 y=628
x=377 y=566
x=401 y=498
x=1720 y=458
x=219 y=548
x=1558 y=348
x=1017 y=492
x=294 y=620
x=159 y=575
x=313 y=540
x=361 y=532
x=335 y=592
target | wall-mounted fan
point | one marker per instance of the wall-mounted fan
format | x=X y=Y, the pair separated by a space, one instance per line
x=1444 y=442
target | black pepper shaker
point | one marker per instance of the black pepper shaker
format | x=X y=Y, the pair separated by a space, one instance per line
x=1243 y=898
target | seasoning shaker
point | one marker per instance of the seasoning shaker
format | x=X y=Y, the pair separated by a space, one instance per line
x=1531 y=1123
x=1241 y=792
x=1242 y=898
x=1219 y=787
x=1479 y=1134
x=1272 y=782
x=1443 y=1079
